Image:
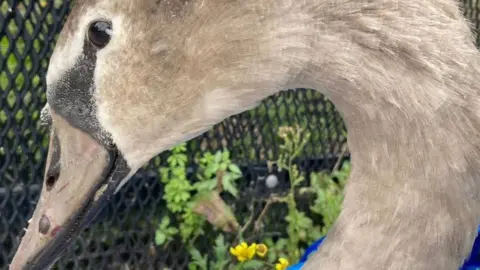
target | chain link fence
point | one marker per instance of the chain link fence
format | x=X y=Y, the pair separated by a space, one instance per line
x=123 y=237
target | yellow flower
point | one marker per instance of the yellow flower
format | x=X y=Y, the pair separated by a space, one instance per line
x=243 y=252
x=262 y=250
x=43 y=3
x=282 y=264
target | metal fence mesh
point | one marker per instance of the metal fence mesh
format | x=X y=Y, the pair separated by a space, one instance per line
x=123 y=238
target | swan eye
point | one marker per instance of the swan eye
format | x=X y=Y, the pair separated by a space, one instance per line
x=100 y=33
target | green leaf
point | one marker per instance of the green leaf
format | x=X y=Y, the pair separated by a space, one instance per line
x=235 y=169
x=165 y=222
x=181 y=160
x=220 y=248
x=164 y=173
x=218 y=157
x=160 y=238
x=303 y=221
x=221 y=265
x=198 y=259
x=253 y=264
x=206 y=185
x=172 y=161
x=180 y=148
x=225 y=155
x=298 y=180
x=164 y=233
x=234 y=177
x=184 y=196
x=196 y=256
x=220 y=241
x=281 y=243
x=210 y=170
x=172 y=231
x=179 y=172
x=223 y=166
x=228 y=186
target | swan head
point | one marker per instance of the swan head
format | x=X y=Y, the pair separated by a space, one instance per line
x=130 y=79
x=126 y=81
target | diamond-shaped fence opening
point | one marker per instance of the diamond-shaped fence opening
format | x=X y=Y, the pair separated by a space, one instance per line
x=124 y=235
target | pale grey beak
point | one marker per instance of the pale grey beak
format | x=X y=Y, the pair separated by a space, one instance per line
x=80 y=177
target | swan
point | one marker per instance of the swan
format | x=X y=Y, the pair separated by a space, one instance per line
x=130 y=79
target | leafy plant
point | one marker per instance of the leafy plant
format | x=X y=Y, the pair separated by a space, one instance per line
x=193 y=204
x=329 y=194
x=177 y=186
x=218 y=171
x=277 y=249
x=221 y=259
x=327 y=188
x=177 y=194
x=165 y=232
x=300 y=227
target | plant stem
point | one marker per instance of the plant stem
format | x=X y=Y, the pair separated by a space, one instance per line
x=256 y=227
x=249 y=221
x=220 y=174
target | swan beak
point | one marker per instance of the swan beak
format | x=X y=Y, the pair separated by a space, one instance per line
x=81 y=175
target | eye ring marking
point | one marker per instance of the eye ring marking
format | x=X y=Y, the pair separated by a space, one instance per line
x=100 y=33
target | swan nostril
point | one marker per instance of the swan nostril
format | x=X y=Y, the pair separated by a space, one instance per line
x=51 y=180
x=44 y=225
x=53 y=174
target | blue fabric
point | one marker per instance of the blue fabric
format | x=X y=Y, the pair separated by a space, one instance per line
x=472 y=263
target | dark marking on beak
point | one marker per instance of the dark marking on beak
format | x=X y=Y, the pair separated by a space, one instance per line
x=44 y=225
